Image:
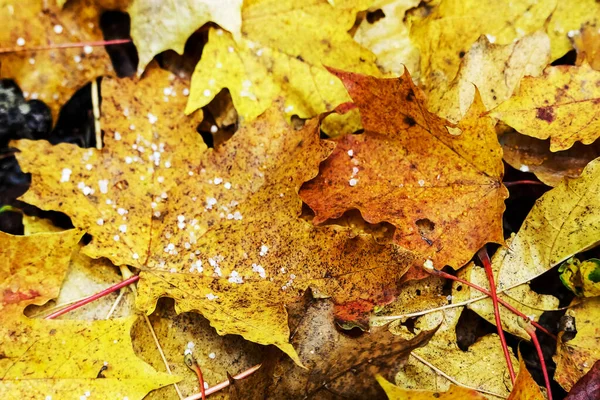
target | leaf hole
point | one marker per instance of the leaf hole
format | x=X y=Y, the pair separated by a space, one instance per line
x=374 y=16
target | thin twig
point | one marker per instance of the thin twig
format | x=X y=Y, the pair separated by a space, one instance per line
x=451 y=379
x=192 y=364
x=115 y=304
x=531 y=331
x=224 y=384
x=97 y=43
x=96 y=111
x=487 y=265
x=93 y=297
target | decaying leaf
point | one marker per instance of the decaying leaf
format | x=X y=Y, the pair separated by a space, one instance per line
x=442 y=192
x=581 y=277
x=494 y=69
x=191 y=333
x=574 y=358
x=60 y=359
x=284 y=48
x=158 y=25
x=388 y=37
x=587 y=387
x=560 y=104
x=529 y=154
x=52 y=75
x=150 y=146
x=393 y=392
x=446 y=34
x=338 y=365
x=563 y=222
x=569 y=17
x=525 y=387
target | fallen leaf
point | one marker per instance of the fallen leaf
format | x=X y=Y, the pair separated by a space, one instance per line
x=388 y=37
x=581 y=277
x=442 y=192
x=587 y=387
x=198 y=210
x=52 y=76
x=393 y=392
x=149 y=147
x=525 y=387
x=446 y=34
x=190 y=332
x=563 y=222
x=338 y=365
x=494 y=69
x=574 y=358
x=283 y=50
x=157 y=26
x=560 y=105
x=587 y=44
x=567 y=18
x=529 y=154
x=522 y=298
x=60 y=358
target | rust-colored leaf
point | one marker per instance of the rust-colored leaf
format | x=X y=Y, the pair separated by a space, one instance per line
x=442 y=192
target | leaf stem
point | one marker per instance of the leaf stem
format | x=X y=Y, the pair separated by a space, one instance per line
x=64 y=46
x=487 y=292
x=485 y=259
x=224 y=384
x=536 y=343
x=93 y=297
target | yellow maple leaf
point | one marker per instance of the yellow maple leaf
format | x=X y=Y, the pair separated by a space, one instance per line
x=441 y=191
x=388 y=37
x=157 y=26
x=60 y=359
x=587 y=43
x=446 y=34
x=560 y=105
x=150 y=146
x=394 y=392
x=282 y=52
x=567 y=18
x=52 y=75
x=196 y=220
x=494 y=69
x=575 y=357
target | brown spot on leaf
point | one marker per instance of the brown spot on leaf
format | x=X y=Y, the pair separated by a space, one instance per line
x=546 y=114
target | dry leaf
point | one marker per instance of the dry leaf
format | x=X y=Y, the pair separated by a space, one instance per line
x=157 y=25
x=587 y=387
x=283 y=50
x=442 y=192
x=337 y=365
x=393 y=392
x=494 y=69
x=52 y=76
x=212 y=231
x=388 y=37
x=587 y=44
x=149 y=147
x=560 y=105
x=446 y=34
x=581 y=277
x=563 y=222
x=60 y=359
x=574 y=358
x=533 y=155
x=566 y=18
x=190 y=332
x=525 y=387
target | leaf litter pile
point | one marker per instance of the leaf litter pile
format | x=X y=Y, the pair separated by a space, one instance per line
x=299 y=199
